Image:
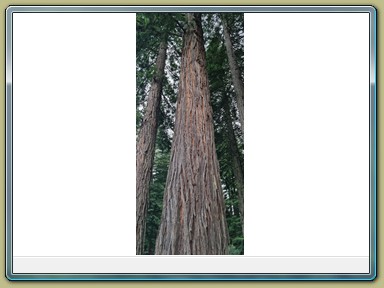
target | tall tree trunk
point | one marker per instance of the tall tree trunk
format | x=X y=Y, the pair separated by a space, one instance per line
x=235 y=154
x=145 y=148
x=235 y=72
x=193 y=219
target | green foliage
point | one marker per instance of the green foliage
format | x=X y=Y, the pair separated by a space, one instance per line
x=237 y=246
x=156 y=199
x=151 y=29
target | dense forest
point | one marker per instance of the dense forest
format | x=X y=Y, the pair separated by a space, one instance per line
x=189 y=127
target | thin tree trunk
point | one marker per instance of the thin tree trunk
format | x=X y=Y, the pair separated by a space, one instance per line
x=235 y=154
x=145 y=148
x=193 y=219
x=235 y=72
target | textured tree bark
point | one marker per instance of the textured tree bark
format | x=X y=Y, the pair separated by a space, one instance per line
x=235 y=72
x=145 y=148
x=193 y=219
x=235 y=153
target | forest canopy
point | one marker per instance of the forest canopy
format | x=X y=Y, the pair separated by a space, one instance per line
x=189 y=127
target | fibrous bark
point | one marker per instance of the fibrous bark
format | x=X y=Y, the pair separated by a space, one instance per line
x=193 y=218
x=235 y=72
x=145 y=148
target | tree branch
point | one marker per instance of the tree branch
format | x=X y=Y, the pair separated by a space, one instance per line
x=177 y=22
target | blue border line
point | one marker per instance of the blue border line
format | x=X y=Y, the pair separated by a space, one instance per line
x=374 y=14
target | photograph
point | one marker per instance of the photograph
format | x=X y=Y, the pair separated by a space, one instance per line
x=190 y=133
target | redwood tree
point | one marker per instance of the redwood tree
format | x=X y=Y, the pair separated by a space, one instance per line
x=235 y=71
x=226 y=123
x=236 y=158
x=193 y=217
x=145 y=147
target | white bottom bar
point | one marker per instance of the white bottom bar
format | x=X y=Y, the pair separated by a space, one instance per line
x=191 y=264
